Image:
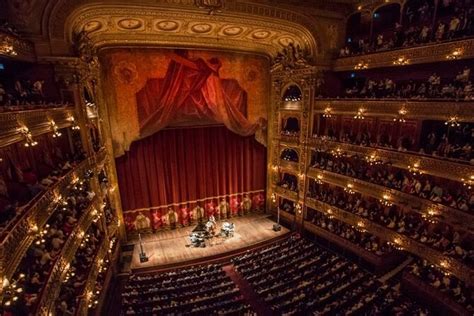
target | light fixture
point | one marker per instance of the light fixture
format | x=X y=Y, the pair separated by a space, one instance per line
x=430 y=215
x=401 y=115
x=298 y=208
x=373 y=160
x=401 y=61
x=327 y=112
x=468 y=183
x=455 y=54
x=74 y=125
x=348 y=188
x=319 y=179
x=273 y=197
x=453 y=121
x=360 y=114
x=55 y=128
x=415 y=169
x=361 y=65
x=7 y=49
x=337 y=153
x=29 y=141
x=386 y=200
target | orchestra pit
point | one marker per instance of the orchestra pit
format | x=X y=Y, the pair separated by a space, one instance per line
x=236 y=157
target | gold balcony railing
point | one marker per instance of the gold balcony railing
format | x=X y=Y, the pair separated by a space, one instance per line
x=285 y=193
x=289 y=165
x=444 y=213
x=435 y=52
x=448 y=264
x=93 y=273
x=448 y=169
x=14 y=47
x=423 y=110
x=37 y=121
x=51 y=289
x=289 y=139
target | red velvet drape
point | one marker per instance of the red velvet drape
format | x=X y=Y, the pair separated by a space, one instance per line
x=179 y=165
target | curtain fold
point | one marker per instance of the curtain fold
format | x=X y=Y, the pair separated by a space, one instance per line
x=174 y=166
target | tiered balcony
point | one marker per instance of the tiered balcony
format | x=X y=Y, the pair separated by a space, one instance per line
x=403 y=242
x=51 y=289
x=444 y=168
x=285 y=193
x=16 y=48
x=436 y=52
x=447 y=214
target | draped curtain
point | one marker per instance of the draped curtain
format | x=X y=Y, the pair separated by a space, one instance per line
x=193 y=90
x=178 y=165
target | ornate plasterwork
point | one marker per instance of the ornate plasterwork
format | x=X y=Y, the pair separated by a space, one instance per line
x=122 y=25
x=436 y=52
x=426 y=110
x=23 y=50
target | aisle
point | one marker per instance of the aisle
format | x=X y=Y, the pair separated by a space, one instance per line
x=258 y=305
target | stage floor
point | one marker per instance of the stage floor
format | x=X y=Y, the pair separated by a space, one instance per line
x=166 y=248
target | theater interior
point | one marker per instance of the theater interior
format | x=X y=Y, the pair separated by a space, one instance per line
x=236 y=157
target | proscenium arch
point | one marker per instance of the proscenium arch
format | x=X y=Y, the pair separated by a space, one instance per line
x=151 y=26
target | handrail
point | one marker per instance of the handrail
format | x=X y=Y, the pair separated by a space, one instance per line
x=454 y=266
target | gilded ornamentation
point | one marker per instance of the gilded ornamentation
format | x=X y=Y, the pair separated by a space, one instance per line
x=167 y=25
x=212 y=6
x=291 y=57
x=126 y=72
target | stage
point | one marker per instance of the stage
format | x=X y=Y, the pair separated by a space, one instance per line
x=168 y=248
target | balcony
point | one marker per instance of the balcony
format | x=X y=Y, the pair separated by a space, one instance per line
x=424 y=110
x=455 y=267
x=17 y=237
x=444 y=168
x=436 y=52
x=37 y=121
x=16 y=48
x=449 y=215
x=289 y=165
x=285 y=193
x=51 y=289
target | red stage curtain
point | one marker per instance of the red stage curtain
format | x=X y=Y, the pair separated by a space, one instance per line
x=192 y=89
x=179 y=165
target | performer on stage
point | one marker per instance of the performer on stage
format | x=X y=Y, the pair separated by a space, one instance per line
x=184 y=215
x=198 y=213
x=246 y=204
x=224 y=209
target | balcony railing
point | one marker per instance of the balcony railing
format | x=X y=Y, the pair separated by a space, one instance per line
x=20 y=49
x=447 y=214
x=423 y=110
x=285 y=193
x=37 y=121
x=453 y=266
x=444 y=168
x=435 y=52
x=17 y=237
x=290 y=165
x=51 y=289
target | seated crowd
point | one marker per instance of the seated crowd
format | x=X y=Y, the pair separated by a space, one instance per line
x=418 y=29
x=436 y=144
x=446 y=283
x=35 y=268
x=458 y=88
x=439 y=236
x=289 y=181
x=201 y=290
x=435 y=189
x=72 y=289
x=296 y=277
x=360 y=238
x=25 y=95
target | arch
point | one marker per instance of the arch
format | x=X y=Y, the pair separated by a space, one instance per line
x=292 y=97
x=290 y=126
x=288 y=181
x=358 y=26
x=289 y=154
x=385 y=19
x=416 y=12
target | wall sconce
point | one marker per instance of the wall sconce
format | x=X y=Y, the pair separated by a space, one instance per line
x=298 y=208
x=327 y=112
x=337 y=153
x=319 y=179
x=444 y=264
x=74 y=123
x=468 y=183
x=386 y=200
x=349 y=188
x=361 y=65
x=415 y=169
x=273 y=197
x=401 y=115
x=29 y=141
x=55 y=128
x=7 y=49
x=430 y=215
x=361 y=226
x=401 y=61
x=373 y=160
x=360 y=114
x=453 y=121
x=455 y=54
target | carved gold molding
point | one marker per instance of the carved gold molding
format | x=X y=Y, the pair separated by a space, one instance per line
x=424 y=110
x=37 y=121
x=51 y=289
x=444 y=168
x=16 y=48
x=286 y=194
x=455 y=217
x=454 y=266
x=128 y=25
x=436 y=52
